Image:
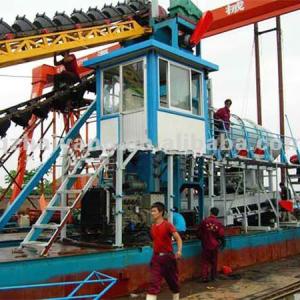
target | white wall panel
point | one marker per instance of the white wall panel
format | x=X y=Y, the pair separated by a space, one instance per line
x=109 y=131
x=180 y=133
x=134 y=127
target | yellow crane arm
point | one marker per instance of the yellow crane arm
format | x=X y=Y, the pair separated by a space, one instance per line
x=20 y=50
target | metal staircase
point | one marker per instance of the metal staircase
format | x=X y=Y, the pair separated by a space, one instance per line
x=45 y=167
x=57 y=203
x=292 y=180
x=291 y=177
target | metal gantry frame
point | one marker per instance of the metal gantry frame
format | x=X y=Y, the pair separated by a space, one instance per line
x=245 y=165
x=20 y=50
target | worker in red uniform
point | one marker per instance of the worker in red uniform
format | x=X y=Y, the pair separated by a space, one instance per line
x=285 y=203
x=164 y=261
x=211 y=233
x=222 y=116
x=70 y=74
x=222 y=124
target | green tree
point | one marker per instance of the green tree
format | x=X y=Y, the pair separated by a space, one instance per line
x=28 y=175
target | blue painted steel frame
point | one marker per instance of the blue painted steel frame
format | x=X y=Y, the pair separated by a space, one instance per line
x=152 y=96
x=208 y=137
x=88 y=280
x=143 y=47
x=45 y=167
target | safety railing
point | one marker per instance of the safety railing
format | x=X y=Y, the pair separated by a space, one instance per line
x=104 y=281
x=245 y=139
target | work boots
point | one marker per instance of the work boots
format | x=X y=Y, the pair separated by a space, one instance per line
x=152 y=297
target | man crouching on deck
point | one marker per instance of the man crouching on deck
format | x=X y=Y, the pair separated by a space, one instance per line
x=163 y=263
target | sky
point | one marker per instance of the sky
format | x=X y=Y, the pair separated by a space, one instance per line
x=233 y=52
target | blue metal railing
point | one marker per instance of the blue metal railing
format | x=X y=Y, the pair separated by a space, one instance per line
x=106 y=282
x=254 y=137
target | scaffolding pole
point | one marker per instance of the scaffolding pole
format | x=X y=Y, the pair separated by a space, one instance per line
x=277 y=206
x=170 y=187
x=119 y=197
x=258 y=197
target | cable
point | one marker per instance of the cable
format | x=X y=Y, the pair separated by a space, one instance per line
x=20 y=76
x=247 y=84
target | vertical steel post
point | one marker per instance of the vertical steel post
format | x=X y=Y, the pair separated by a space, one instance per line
x=156 y=171
x=119 y=198
x=54 y=146
x=119 y=188
x=154 y=9
x=258 y=198
x=211 y=191
x=277 y=204
x=223 y=191
x=107 y=207
x=257 y=72
x=63 y=196
x=191 y=179
x=245 y=204
x=270 y=180
x=41 y=154
x=170 y=187
x=280 y=87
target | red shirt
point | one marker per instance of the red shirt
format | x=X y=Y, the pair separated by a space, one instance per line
x=162 y=237
x=224 y=115
x=72 y=65
x=209 y=231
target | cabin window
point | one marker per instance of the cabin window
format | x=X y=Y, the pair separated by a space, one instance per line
x=111 y=90
x=180 y=87
x=196 y=93
x=163 y=83
x=133 y=86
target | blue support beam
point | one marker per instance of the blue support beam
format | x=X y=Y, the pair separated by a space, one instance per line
x=152 y=96
x=98 y=105
x=14 y=207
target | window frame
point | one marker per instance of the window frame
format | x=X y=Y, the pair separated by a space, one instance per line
x=143 y=61
x=120 y=66
x=102 y=91
x=174 y=108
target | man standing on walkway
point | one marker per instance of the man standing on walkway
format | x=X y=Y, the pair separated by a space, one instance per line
x=222 y=116
x=164 y=262
x=211 y=233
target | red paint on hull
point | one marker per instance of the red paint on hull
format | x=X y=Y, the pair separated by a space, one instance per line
x=135 y=278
